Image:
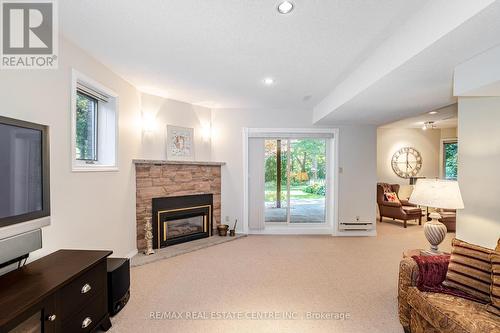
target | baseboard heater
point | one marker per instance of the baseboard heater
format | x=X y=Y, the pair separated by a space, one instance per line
x=356 y=226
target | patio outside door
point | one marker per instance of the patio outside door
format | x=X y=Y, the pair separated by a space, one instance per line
x=295 y=180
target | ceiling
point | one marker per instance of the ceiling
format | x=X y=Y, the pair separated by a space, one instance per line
x=446 y=117
x=216 y=53
x=425 y=81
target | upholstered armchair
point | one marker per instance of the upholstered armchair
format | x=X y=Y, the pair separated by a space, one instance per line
x=428 y=312
x=448 y=218
x=402 y=210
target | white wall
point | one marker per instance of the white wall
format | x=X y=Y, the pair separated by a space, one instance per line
x=93 y=210
x=478 y=76
x=449 y=133
x=390 y=140
x=357 y=158
x=171 y=112
x=479 y=161
x=428 y=143
x=358 y=180
x=96 y=210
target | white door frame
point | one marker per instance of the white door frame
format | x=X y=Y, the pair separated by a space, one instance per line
x=331 y=225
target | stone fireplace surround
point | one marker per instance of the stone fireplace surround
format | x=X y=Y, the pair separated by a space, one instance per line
x=159 y=178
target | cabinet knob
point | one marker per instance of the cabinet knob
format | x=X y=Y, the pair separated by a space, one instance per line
x=86 y=322
x=52 y=317
x=86 y=288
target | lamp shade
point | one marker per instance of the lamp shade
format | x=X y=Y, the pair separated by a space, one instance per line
x=437 y=193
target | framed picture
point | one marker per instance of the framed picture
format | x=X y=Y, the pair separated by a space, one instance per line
x=180 y=143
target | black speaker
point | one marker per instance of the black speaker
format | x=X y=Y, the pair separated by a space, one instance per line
x=118 y=284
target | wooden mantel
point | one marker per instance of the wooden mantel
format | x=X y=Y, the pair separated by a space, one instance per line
x=165 y=162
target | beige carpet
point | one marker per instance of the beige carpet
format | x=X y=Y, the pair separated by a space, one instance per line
x=290 y=275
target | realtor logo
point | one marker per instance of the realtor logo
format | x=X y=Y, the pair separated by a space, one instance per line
x=29 y=36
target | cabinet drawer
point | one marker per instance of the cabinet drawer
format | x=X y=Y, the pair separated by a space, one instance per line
x=76 y=294
x=88 y=317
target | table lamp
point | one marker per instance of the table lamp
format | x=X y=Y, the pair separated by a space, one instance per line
x=436 y=193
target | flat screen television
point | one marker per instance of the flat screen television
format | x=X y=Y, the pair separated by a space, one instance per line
x=24 y=177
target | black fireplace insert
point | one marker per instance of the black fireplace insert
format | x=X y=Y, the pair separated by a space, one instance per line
x=181 y=219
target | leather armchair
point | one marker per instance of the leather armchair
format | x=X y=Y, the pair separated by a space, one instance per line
x=402 y=210
x=448 y=218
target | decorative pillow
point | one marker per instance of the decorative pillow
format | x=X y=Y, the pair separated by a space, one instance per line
x=494 y=307
x=470 y=270
x=391 y=197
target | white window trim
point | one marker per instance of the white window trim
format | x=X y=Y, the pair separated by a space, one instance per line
x=77 y=167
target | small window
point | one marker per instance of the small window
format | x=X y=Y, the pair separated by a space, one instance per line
x=450 y=159
x=94 y=126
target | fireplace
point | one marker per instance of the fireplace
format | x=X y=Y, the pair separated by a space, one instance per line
x=181 y=219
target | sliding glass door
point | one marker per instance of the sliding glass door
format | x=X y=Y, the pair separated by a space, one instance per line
x=295 y=174
x=308 y=180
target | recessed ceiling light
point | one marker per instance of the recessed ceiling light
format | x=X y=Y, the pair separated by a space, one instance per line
x=268 y=81
x=433 y=112
x=285 y=7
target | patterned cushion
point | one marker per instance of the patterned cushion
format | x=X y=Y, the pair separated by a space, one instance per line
x=452 y=314
x=391 y=197
x=470 y=270
x=408 y=274
x=419 y=324
x=494 y=307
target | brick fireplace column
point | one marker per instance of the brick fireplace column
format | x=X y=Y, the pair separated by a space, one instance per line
x=157 y=179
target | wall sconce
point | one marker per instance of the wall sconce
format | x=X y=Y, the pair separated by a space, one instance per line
x=206 y=132
x=148 y=122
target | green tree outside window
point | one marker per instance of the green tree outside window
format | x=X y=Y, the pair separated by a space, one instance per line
x=86 y=127
x=450 y=160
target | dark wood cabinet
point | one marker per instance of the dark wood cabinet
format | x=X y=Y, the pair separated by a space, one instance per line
x=65 y=291
x=39 y=318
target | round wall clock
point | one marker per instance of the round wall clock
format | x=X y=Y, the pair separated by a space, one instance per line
x=406 y=162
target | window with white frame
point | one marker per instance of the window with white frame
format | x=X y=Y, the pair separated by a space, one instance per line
x=94 y=125
x=450 y=159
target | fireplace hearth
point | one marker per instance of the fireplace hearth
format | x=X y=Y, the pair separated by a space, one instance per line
x=180 y=219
